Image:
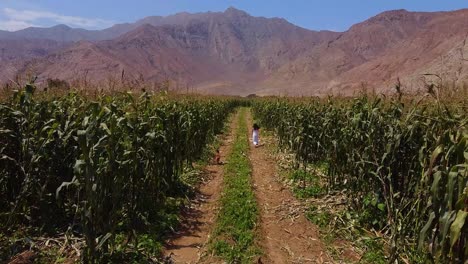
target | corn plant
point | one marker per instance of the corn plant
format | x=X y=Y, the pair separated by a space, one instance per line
x=100 y=167
x=405 y=158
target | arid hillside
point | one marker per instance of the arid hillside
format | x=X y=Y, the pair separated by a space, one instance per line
x=232 y=52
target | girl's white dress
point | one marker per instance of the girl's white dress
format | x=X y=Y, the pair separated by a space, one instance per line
x=255 y=137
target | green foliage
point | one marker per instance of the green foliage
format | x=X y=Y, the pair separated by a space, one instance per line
x=402 y=164
x=319 y=218
x=374 y=252
x=337 y=226
x=235 y=226
x=306 y=183
x=102 y=167
x=373 y=211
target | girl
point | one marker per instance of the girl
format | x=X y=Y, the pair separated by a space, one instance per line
x=218 y=157
x=256 y=130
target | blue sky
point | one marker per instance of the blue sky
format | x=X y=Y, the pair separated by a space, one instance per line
x=336 y=15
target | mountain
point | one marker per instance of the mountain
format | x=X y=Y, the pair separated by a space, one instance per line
x=375 y=53
x=232 y=52
x=199 y=50
x=15 y=53
x=437 y=47
x=18 y=49
x=64 y=33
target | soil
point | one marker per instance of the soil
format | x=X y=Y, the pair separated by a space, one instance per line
x=284 y=233
x=286 y=236
x=188 y=245
x=27 y=257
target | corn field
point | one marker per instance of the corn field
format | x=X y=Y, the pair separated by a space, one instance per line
x=405 y=162
x=104 y=168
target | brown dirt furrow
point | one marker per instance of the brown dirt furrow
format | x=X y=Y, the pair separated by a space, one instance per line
x=286 y=236
x=187 y=245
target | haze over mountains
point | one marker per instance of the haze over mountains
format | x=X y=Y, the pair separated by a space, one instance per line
x=232 y=52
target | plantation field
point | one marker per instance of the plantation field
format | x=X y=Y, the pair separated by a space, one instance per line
x=113 y=178
x=401 y=164
x=105 y=170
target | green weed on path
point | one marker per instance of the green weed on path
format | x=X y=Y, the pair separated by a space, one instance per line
x=234 y=234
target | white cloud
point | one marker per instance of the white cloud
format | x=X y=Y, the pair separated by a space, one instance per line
x=13 y=25
x=19 y=19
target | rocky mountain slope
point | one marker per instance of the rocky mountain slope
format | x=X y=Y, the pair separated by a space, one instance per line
x=232 y=52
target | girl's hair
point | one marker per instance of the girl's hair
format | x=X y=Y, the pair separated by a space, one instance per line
x=256 y=127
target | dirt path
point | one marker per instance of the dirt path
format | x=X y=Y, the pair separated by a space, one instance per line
x=188 y=245
x=286 y=237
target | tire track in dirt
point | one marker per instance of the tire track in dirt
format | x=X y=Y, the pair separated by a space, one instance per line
x=284 y=238
x=188 y=245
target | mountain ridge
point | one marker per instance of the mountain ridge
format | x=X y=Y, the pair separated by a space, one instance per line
x=232 y=52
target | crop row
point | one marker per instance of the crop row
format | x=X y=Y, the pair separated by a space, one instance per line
x=407 y=159
x=105 y=169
